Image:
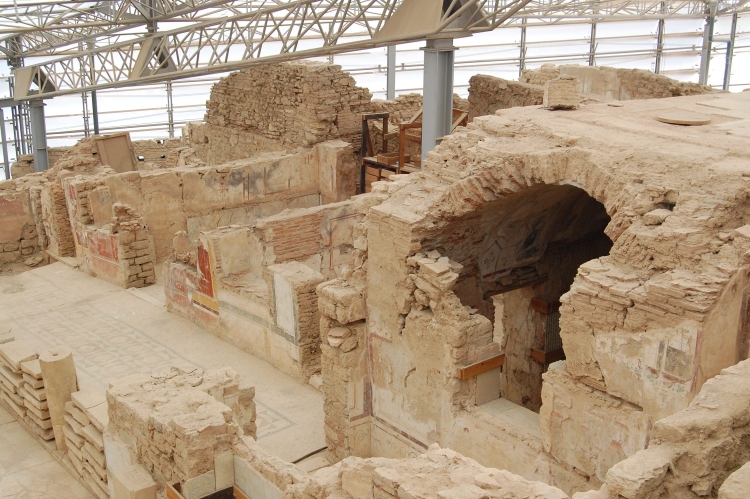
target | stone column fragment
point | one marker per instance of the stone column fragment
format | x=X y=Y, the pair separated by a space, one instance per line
x=59 y=374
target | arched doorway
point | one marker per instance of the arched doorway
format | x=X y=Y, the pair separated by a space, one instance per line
x=520 y=255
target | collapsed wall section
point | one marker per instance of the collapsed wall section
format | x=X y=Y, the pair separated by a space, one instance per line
x=295 y=104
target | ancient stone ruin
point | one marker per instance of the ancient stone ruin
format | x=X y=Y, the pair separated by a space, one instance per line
x=554 y=306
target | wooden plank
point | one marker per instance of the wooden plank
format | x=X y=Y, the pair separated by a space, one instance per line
x=374 y=172
x=238 y=494
x=545 y=307
x=547 y=357
x=173 y=492
x=482 y=366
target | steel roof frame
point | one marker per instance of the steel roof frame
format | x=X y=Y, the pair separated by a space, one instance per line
x=276 y=31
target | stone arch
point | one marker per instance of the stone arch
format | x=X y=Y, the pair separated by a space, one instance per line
x=522 y=233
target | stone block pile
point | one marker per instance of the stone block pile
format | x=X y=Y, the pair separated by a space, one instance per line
x=85 y=420
x=22 y=386
x=180 y=425
x=135 y=246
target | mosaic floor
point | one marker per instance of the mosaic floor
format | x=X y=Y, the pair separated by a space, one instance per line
x=113 y=333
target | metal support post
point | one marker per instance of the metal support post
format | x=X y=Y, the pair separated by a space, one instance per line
x=437 y=111
x=592 y=45
x=708 y=35
x=6 y=163
x=659 y=45
x=730 y=53
x=390 y=87
x=39 y=135
x=170 y=109
x=85 y=113
x=151 y=26
x=522 y=55
x=94 y=103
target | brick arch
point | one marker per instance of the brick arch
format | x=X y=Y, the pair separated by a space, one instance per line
x=512 y=174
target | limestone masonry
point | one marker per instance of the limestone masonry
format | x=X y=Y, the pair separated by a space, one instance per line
x=555 y=306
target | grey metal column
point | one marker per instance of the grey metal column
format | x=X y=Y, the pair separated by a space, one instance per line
x=39 y=135
x=437 y=110
x=94 y=103
x=6 y=163
x=708 y=34
x=659 y=45
x=730 y=53
x=592 y=45
x=85 y=114
x=522 y=55
x=170 y=109
x=390 y=87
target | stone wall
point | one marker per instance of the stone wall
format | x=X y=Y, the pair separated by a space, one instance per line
x=439 y=473
x=193 y=199
x=487 y=94
x=692 y=452
x=254 y=284
x=615 y=83
x=296 y=103
x=643 y=327
x=21 y=231
x=157 y=151
x=22 y=166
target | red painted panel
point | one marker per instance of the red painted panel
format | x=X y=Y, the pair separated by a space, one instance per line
x=205 y=284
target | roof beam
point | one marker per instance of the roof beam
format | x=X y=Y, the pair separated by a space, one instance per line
x=310 y=28
x=43 y=27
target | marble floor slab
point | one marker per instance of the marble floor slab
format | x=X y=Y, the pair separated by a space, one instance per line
x=28 y=471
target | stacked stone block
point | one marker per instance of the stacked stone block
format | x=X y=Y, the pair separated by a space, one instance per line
x=181 y=425
x=342 y=308
x=85 y=420
x=22 y=387
x=297 y=103
x=135 y=247
x=35 y=400
x=56 y=220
